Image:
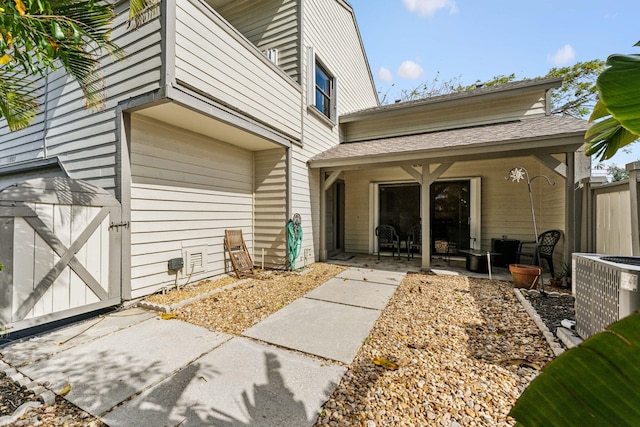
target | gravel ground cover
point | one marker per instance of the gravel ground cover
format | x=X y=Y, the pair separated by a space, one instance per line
x=552 y=307
x=464 y=350
x=239 y=308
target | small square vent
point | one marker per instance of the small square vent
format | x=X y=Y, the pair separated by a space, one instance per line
x=195 y=260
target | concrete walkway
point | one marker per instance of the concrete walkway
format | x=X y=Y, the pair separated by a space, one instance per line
x=131 y=368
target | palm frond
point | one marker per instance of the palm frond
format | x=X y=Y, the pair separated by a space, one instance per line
x=142 y=11
x=19 y=100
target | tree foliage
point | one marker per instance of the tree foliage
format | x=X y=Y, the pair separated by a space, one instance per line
x=617 y=113
x=578 y=94
x=594 y=384
x=40 y=36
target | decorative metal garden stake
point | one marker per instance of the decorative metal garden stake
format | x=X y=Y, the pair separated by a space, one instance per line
x=515 y=175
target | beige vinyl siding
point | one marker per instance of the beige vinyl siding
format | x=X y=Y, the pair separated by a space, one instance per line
x=268 y=24
x=212 y=57
x=613 y=225
x=469 y=113
x=270 y=208
x=505 y=205
x=340 y=52
x=186 y=190
x=85 y=140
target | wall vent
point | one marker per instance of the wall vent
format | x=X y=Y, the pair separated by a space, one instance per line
x=272 y=55
x=195 y=260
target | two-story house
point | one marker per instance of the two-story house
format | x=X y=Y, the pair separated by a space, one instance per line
x=236 y=115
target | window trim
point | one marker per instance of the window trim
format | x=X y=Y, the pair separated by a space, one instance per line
x=313 y=65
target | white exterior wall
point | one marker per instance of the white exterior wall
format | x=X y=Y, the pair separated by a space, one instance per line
x=505 y=205
x=214 y=58
x=340 y=51
x=270 y=208
x=85 y=140
x=470 y=112
x=186 y=190
x=268 y=24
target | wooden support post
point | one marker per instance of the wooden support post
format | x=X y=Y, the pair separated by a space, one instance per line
x=570 y=211
x=425 y=208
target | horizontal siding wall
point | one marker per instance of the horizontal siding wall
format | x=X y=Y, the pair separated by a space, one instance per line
x=213 y=58
x=505 y=205
x=270 y=208
x=341 y=52
x=468 y=114
x=85 y=140
x=268 y=24
x=186 y=190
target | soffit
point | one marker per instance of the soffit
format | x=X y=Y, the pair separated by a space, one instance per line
x=188 y=119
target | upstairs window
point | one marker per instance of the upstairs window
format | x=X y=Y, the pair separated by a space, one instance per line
x=324 y=91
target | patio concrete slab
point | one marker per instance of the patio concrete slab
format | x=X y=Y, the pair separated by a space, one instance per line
x=240 y=383
x=354 y=292
x=374 y=276
x=41 y=346
x=110 y=369
x=325 y=329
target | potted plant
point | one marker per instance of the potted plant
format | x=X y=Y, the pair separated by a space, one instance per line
x=557 y=279
x=525 y=276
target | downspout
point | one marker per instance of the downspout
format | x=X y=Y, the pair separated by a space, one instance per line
x=46 y=114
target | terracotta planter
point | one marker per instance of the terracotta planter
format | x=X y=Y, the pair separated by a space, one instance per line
x=524 y=276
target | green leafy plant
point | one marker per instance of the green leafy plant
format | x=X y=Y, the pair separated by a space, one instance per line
x=594 y=384
x=617 y=113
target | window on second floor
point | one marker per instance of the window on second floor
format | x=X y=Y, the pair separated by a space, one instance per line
x=322 y=89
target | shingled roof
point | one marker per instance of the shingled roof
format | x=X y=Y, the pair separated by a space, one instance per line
x=521 y=85
x=541 y=133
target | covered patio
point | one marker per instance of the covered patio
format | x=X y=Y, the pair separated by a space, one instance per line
x=419 y=173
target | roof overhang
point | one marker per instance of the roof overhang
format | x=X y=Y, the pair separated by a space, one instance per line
x=501 y=140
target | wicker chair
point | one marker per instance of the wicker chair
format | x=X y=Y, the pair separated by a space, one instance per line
x=547 y=242
x=388 y=238
x=414 y=240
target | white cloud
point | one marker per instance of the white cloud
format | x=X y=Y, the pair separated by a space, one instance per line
x=429 y=7
x=563 y=56
x=384 y=75
x=410 y=70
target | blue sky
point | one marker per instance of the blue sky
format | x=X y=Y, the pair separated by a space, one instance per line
x=409 y=42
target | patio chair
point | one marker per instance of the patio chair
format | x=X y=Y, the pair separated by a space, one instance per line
x=388 y=238
x=414 y=240
x=238 y=254
x=547 y=242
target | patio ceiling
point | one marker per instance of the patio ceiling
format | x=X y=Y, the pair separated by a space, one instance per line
x=539 y=136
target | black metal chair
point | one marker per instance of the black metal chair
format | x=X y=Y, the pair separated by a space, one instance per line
x=388 y=238
x=414 y=240
x=547 y=242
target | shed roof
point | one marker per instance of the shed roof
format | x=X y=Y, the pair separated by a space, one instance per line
x=536 y=135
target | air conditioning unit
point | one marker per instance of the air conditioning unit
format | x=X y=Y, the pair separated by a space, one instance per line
x=606 y=290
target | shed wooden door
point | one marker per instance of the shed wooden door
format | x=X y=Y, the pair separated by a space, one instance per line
x=61 y=250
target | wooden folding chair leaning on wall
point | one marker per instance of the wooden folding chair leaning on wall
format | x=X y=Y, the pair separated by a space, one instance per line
x=238 y=253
